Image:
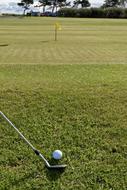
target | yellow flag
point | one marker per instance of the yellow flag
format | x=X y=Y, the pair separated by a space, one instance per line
x=57 y=26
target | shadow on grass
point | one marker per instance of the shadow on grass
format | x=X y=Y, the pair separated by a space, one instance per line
x=53 y=175
x=45 y=41
x=4 y=45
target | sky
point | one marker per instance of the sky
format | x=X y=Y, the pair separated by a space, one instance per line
x=10 y=6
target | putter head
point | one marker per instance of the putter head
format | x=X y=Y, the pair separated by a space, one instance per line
x=57 y=167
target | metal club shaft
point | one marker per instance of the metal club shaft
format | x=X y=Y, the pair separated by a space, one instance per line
x=54 y=167
x=24 y=138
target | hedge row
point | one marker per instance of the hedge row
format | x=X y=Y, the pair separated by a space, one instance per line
x=93 y=12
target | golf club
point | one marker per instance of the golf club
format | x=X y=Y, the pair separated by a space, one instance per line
x=37 y=152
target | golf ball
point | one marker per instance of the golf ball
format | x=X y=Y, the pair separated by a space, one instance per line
x=57 y=154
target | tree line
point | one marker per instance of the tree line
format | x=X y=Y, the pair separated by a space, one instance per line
x=76 y=4
x=110 y=12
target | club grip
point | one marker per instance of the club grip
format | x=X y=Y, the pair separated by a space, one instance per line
x=36 y=152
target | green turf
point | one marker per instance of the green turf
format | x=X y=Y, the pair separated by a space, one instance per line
x=68 y=95
x=81 y=41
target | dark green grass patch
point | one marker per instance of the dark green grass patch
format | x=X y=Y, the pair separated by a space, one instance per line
x=81 y=110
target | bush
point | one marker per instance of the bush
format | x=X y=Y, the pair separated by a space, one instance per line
x=125 y=13
x=84 y=13
x=97 y=13
x=114 y=12
x=93 y=12
x=68 y=12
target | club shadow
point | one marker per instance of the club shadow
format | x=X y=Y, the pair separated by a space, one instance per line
x=53 y=174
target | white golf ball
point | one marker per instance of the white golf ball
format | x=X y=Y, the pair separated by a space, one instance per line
x=57 y=154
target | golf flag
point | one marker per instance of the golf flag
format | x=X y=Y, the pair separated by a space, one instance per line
x=57 y=26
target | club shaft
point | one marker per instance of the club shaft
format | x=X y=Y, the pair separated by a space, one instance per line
x=34 y=149
x=17 y=130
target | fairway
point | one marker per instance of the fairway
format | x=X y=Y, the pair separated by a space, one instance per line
x=81 y=41
x=69 y=94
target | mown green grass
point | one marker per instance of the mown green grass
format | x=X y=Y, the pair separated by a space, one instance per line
x=64 y=101
x=81 y=41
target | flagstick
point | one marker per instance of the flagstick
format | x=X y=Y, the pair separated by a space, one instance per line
x=55 y=33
